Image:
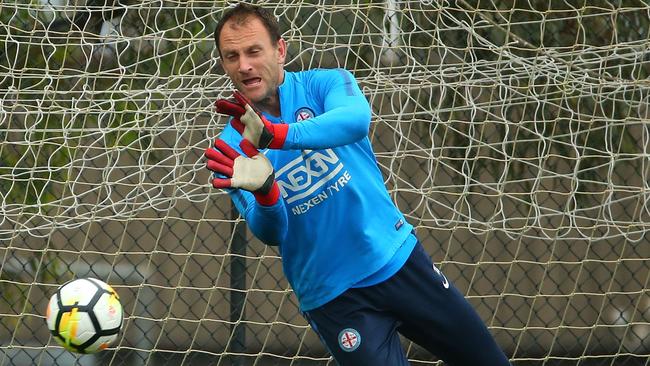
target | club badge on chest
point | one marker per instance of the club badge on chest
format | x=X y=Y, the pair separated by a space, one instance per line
x=304 y=113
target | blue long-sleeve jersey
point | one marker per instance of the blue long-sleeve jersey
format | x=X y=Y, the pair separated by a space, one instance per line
x=335 y=223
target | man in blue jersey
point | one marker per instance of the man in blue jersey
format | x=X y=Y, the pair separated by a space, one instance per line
x=298 y=165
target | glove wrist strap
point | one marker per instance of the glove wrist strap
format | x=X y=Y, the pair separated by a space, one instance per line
x=270 y=198
x=280 y=132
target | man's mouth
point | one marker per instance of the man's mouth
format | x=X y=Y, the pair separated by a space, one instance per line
x=252 y=81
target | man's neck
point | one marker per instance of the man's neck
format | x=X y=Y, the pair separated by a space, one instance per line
x=270 y=105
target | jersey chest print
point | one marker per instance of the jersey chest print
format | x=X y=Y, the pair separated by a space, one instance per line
x=310 y=179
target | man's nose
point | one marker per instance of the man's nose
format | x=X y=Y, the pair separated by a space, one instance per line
x=245 y=65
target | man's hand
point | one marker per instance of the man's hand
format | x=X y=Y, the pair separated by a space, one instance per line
x=251 y=124
x=253 y=173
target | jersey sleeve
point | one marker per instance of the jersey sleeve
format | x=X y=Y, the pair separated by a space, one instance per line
x=267 y=223
x=346 y=116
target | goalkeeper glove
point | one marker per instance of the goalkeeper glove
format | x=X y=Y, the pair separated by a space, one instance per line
x=253 y=173
x=251 y=124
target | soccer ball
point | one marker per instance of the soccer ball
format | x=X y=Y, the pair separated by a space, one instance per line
x=84 y=315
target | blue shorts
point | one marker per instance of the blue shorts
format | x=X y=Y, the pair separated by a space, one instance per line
x=360 y=327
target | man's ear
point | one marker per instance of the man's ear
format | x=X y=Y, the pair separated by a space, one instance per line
x=282 y=51
x=218 y=67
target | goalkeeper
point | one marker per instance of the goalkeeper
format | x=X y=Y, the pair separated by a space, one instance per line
x=316 y=192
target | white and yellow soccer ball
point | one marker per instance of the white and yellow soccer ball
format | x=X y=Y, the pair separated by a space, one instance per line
x=85 y=315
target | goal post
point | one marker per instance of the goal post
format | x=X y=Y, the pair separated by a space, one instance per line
x=514 y=135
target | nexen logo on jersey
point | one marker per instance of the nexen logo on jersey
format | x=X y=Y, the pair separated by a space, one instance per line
x=310 y=179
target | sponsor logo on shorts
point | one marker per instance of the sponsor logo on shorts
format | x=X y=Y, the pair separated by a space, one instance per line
x=445 y=281
x=349 y=339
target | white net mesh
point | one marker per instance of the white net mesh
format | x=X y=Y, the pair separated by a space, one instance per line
x=513 y=134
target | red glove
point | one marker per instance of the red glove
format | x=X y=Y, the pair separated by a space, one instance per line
x=251 y=124
x=253 y=173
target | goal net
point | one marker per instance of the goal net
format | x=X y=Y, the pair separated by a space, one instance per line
x=513 y=134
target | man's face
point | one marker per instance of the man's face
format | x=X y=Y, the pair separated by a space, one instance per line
x=250 y=59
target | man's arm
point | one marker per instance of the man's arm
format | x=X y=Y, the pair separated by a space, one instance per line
x=346 y=118
x=249 y=180
x=267 y=223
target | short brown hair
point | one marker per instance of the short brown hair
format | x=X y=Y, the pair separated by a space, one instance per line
x=240 y=14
